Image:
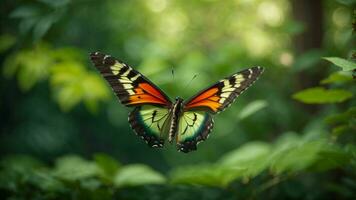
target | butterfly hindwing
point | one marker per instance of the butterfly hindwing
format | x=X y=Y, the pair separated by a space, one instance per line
x=150 y=123
x=220 y=95
x=194 y=127
x=129 y=85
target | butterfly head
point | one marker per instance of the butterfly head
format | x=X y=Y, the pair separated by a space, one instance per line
x=178 y=105
x=179 y=99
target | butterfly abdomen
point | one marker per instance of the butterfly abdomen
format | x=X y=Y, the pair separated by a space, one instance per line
x=176 y=111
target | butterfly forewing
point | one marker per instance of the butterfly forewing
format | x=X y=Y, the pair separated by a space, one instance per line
x=129 y=85
x=150 y=122
x=194 y=127
x=220 y=95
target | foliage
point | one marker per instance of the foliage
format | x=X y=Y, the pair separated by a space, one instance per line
x=345 y=65
x=290 y=136
x=320 y=95
x=70 y=81
x=105 y=177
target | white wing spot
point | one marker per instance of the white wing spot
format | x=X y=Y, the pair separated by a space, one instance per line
x=225 y=94
x=250 y=75
x=135 y=77
x=131 y=92
x=127 y=72
x=127 y=86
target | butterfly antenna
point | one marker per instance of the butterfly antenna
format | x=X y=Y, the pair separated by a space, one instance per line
x=190 y=81
x=173 y=72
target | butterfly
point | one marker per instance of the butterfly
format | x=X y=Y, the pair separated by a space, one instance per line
x=155 y=117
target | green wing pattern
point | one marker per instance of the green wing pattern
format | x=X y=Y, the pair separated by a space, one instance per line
x=150 y=122
x=194 y=127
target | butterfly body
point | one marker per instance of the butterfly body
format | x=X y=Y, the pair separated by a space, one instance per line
x=176 y=112
x=156 y=118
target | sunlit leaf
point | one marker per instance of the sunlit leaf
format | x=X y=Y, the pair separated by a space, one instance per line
x=73 y=84
x=337 y=77
x=108 y=165
x=138 y=174
x=252 y=107
x=73 y=167
x=319 y=95
x=342 y=63
x=91 y=184
x=31 y=66
x=253 y=157
x=298 y=156
x=211 y=175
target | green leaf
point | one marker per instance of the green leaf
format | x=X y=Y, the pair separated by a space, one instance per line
x=244 y=162
x=108 y=165
x=20 y=163
x=211 y=175
x=341 y=129
x=45 y=22
x=346 y=2
x=342 y=63
x=57 y=3
x=73 y=168
x=252 y=107
x=44 y=180
x=307 y=60
x=319 y=95
x=330 y=157
x=31 y=66
x=252 y=157
x=25 y=12
x=341 y=117
x=296 y=157
x=137 y=174
x=73 y=84
x=337 y=77
x=6 y=42
x=42 y=26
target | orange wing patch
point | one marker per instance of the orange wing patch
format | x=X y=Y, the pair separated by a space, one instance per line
x=208 y=99
x=145 y=93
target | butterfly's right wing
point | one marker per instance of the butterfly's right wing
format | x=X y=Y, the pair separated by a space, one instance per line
x=220 y=95
x=129 y=85
x=151 y=123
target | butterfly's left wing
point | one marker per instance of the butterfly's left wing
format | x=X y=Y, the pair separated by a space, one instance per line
x=130 y=86
x=220 y=95
x=133 y=89
x=196 y=121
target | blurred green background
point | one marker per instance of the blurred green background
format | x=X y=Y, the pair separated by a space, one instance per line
x=64 y=135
